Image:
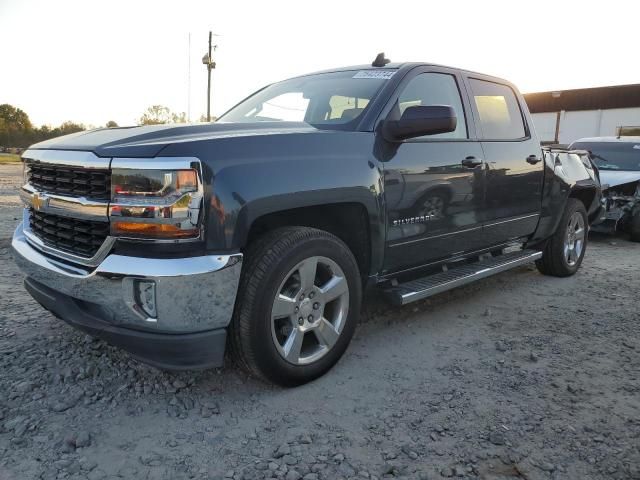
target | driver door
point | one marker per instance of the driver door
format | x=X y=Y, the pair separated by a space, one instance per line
x=433 y=185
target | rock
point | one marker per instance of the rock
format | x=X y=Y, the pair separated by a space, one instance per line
x=497 y=438
x=446 y=472
x=151 y=459
x=179 y=384
x=25 y=387
x=282 y=450
x=459 y=471
x=533 y=357
x=338 y=458
x=83 y=439
x=293 y=475
x=290 y=460
x=501 y=346
x=96 y=474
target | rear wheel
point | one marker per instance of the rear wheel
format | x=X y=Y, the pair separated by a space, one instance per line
x=565 y=250
x=297 y=307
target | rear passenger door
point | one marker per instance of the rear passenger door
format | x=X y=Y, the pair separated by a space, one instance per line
x=513 y=163
x=433 y=185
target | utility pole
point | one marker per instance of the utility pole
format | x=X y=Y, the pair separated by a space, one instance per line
x=208 y=61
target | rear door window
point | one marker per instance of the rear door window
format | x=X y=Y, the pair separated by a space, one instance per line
x=500 y=115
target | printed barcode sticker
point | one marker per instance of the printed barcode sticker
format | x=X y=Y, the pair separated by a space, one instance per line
x=380 y=74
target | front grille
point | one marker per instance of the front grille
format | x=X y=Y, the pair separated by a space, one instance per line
x=70 y=181
x=80 y=237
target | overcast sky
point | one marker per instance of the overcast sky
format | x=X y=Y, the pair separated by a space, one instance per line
x=94 y=61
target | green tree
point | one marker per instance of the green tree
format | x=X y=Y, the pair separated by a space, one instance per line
x=111 y=124
x=159 y=114
x=15 y=127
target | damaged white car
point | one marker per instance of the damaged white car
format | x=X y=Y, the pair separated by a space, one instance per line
x=618 y=159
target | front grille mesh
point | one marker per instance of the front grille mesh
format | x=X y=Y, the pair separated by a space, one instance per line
x=70 y=181
x=80 y=237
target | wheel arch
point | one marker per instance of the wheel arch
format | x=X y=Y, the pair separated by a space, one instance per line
x=349 y=221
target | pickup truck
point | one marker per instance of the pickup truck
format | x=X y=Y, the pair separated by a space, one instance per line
x=618 y=160
x=263 y=231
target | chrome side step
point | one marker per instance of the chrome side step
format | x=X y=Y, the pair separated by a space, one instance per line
x=421 y=288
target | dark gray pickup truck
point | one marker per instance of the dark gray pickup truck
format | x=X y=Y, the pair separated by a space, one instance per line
x=263 y=230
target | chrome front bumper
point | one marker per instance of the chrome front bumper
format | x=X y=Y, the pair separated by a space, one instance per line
x=192 y=295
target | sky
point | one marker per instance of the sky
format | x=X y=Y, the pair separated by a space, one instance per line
x=91 y=61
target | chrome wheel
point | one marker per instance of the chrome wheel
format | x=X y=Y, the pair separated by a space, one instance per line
x=574 y=240
x=310 y=310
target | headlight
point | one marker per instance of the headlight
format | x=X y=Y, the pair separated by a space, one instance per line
x=155 y=204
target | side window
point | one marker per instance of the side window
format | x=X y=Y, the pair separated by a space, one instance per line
x=435 y=89
x=500 y=115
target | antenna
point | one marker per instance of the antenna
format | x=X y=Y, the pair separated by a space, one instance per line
x=380 y=60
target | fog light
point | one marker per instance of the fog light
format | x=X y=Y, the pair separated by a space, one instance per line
x=145 y=296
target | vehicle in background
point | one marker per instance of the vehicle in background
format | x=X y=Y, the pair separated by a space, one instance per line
x=618 y=160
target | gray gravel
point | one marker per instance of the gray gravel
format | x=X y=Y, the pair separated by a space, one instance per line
x=518 y=377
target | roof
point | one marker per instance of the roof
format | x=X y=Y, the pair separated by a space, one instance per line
x=405 y=66
x=629 y=139
x=597 y=98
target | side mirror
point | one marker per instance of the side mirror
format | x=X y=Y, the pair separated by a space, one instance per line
x=418 y=121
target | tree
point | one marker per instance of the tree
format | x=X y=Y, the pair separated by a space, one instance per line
x=15 y=126
x=111 y=124
x=203 y=118
x=159 y=114
x=15 y=118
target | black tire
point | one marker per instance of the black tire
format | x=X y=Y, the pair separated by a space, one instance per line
x=554 y=261
x=268 y=261
x=634 y=225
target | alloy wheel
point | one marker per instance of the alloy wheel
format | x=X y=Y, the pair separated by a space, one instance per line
x=310 y=310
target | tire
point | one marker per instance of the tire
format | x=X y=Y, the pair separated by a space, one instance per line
x=635 y=224
x=265 y=334
x=557 y=258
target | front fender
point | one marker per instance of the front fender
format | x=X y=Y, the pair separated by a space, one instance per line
x=247 y=178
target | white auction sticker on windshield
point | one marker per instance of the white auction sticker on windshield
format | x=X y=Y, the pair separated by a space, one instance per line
x=381 y=74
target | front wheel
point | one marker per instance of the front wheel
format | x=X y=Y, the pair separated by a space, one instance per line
x=565 y=250
x=297 y=307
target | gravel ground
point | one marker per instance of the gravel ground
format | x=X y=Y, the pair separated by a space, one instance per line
x=517 y=377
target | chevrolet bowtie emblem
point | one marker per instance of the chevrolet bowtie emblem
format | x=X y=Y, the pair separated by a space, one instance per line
x=39 y=201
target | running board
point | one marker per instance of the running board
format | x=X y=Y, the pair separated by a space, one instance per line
x=420 y=288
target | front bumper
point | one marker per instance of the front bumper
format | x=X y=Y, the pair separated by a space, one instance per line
x=193 y=301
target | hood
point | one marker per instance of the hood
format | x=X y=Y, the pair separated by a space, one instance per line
x=614 y=178
x=148 y=141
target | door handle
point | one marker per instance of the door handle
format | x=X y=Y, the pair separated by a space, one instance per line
x=533 y=159
x=471 y=162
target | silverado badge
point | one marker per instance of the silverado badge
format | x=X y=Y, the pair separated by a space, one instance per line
x=39 y=201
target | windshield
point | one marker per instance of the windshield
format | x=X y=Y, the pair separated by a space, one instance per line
x=613 y=156
x=326 y=100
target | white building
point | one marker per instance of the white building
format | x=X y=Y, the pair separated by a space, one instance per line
x=567 y=115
